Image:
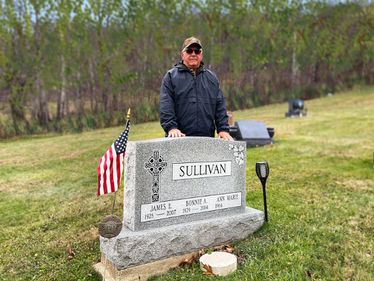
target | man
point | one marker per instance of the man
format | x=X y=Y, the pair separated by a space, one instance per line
x=191 y=101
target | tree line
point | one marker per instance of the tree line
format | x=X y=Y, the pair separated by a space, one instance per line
x=72 y=65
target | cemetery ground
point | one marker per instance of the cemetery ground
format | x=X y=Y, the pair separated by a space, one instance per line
x=320 y=198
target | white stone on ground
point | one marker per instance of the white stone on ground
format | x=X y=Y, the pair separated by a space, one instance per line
x=222 y=263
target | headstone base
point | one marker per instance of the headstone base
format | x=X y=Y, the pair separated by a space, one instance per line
x=141 y=272
x=133 y=248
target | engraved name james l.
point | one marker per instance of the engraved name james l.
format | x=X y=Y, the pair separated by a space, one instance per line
x=182 y=171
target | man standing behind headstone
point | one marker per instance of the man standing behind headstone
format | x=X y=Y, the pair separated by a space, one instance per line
x=191 y=101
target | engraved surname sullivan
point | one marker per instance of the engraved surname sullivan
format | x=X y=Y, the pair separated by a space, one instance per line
x=201 y=170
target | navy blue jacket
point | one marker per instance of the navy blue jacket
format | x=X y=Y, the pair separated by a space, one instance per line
x=192 y=104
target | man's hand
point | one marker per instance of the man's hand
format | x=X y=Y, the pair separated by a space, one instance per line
x=175 y=133
x=225 y=135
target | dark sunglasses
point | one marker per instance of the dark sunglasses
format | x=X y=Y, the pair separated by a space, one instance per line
x=191 y=50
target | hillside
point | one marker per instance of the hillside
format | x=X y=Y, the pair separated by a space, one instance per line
x=320 y=198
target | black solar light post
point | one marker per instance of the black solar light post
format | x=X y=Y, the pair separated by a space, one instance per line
x=262 y=170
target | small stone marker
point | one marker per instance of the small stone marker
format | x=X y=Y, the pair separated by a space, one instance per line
x=181 y=195
x=221 y=263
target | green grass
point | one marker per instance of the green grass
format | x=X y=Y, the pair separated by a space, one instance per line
x=320 y=198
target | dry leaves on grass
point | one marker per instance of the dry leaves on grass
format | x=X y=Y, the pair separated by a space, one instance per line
x=190 y=260
x=71 y=253
x=231 y=250
x=225 y=248
x=208 y=270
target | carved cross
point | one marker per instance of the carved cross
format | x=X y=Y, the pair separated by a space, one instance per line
x=155 y=166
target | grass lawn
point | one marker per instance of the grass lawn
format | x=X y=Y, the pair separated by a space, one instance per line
x=320 y=198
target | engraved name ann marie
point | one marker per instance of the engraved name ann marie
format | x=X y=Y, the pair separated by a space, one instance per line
x=183 y=171
x=168 y=209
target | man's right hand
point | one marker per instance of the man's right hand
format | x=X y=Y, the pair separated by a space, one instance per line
x=175 y=133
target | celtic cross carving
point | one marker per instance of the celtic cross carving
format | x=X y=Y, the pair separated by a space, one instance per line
x=155 y=166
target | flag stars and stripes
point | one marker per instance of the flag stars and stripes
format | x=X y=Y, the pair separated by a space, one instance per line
x=121 y=142
x=110 y=167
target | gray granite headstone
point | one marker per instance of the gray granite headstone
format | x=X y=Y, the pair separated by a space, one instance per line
x=170 y=181
x=181 y=195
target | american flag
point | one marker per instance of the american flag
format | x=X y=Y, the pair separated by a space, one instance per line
x=110 y=168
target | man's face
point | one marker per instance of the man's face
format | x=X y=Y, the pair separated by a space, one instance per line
x=192 y=56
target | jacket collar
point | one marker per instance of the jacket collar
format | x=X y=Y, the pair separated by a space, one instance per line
x=182 y=67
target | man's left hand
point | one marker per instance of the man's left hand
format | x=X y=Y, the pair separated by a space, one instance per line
x=225 y=136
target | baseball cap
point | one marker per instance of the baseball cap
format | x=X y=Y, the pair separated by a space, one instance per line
x=189 y=41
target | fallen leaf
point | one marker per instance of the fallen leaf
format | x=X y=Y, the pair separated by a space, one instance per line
x=229 y=249
x=189 y=261
x=225 y=248
x=71 y=253
x=209 y=270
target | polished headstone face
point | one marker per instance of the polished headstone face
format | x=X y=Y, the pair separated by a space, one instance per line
x=173 y=181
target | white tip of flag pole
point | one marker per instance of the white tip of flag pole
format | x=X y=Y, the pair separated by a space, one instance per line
x=220 y=263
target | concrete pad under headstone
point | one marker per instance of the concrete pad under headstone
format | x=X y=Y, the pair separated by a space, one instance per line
x=141 y=272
